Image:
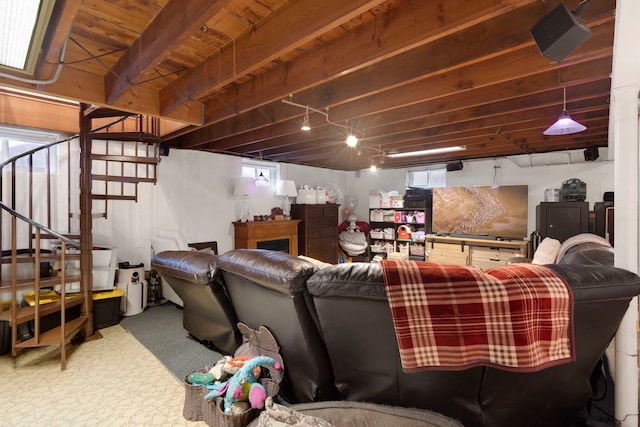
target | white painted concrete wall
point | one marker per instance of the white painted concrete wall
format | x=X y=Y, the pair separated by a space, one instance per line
x=194 y=195
x=597 y=175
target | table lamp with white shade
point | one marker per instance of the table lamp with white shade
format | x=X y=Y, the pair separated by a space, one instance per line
x=244 y=187
x=286 y=188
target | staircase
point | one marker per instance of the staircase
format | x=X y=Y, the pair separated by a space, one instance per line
x=112 y=154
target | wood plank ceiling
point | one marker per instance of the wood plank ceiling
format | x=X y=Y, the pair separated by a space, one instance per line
x=405 y=74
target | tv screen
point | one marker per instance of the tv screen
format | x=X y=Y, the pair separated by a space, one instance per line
x=499 y=211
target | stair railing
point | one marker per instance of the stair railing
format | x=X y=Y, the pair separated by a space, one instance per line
x=36 y=223
x=16 y=285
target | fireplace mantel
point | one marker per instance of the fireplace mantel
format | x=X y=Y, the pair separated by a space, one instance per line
x=250 y=234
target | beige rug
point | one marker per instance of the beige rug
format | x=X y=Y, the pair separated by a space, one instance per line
x=113 y=381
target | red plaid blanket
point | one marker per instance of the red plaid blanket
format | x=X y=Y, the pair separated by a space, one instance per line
x=517 y=317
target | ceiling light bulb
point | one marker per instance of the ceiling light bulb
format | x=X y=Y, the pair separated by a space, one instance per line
x=373 y=168
x=305 y=123
x=352 y=141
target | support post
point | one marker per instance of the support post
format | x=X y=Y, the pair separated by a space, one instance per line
x=623 y=142
x=86 y=220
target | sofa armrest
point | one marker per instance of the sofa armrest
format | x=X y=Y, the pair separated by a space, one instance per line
x=194 y=266
x=213 y=246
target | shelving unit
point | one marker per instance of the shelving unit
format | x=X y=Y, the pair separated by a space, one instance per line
x=400 y=230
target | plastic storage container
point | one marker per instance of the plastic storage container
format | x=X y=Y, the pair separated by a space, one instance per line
x=131 y=282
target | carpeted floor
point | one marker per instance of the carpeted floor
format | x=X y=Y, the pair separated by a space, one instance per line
x=131 y=377
x=160 y=330
x=113 y=381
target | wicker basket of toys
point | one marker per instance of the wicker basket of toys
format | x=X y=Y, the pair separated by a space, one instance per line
x=231 y=392
x=195 y=390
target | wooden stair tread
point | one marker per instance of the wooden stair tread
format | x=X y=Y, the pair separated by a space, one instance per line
x=113 y=197
x=125 y=159
x=52 y=336
x=30 y=258
x=44 y=281
x=145 y=137
x=24 y=314
x=104 y=112
x=50 y=236
x=126 y=179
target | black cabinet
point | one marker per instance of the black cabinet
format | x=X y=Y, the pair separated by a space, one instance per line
x=561 y=220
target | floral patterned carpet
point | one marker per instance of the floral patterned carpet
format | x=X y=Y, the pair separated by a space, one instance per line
x=113 y=381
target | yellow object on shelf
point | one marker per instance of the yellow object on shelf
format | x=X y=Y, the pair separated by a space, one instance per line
x=108 y=294
x=52 y=296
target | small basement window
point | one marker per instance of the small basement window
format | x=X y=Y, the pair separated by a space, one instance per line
x=253 y=169
x=427 y=177
x=15 y=141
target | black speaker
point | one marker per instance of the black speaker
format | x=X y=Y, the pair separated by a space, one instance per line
x=457 y=166
x=163 y=150
x=591 y=154
x=560 y=32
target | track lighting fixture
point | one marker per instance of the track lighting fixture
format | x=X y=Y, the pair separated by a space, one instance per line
x=353 y=136
x=305 y=122
x=380 y=156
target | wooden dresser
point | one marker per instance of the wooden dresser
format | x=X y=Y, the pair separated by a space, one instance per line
x=318 y=231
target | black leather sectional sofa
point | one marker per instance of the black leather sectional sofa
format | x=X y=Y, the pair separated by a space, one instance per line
x=337 y=340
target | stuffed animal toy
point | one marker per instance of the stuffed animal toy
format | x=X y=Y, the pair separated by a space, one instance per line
x=228 y=366
x=243 y=385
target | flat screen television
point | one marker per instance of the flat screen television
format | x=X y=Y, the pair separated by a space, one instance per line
x=496 y=211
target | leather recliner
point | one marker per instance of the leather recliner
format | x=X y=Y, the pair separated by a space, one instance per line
x=207 y=311
x=269 y=288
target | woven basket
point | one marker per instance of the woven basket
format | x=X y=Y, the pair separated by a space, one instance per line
x=194 y=402
x=214 y=415
x=258 y=342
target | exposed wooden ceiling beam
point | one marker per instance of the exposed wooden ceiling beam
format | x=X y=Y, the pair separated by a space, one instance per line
x=295 y=25
x=391 y=33
x=370 y=92
x=175 y=23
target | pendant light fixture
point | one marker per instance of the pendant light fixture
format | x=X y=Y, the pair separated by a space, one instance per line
x=565 y=125
x=261 y=177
